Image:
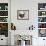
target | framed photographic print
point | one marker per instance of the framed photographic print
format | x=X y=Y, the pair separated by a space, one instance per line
x=23 y=14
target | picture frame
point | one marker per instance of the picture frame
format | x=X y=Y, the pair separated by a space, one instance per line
x=23 y=14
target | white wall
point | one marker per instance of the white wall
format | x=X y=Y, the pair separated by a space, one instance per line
x=24 y=5
x=32 y=6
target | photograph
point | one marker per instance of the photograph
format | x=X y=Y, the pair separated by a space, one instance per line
x=23 y=14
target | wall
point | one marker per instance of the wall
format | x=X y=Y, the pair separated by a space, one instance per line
x=32 y=6
x=24 y=5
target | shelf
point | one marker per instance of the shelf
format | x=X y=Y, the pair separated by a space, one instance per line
x=41 y=28
x=3 y=22
x=4 y=19
x=42 y=19
x=3 y=16
x=41 y=22
x=41 y=10
x=42 y=16
x=3 y=10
